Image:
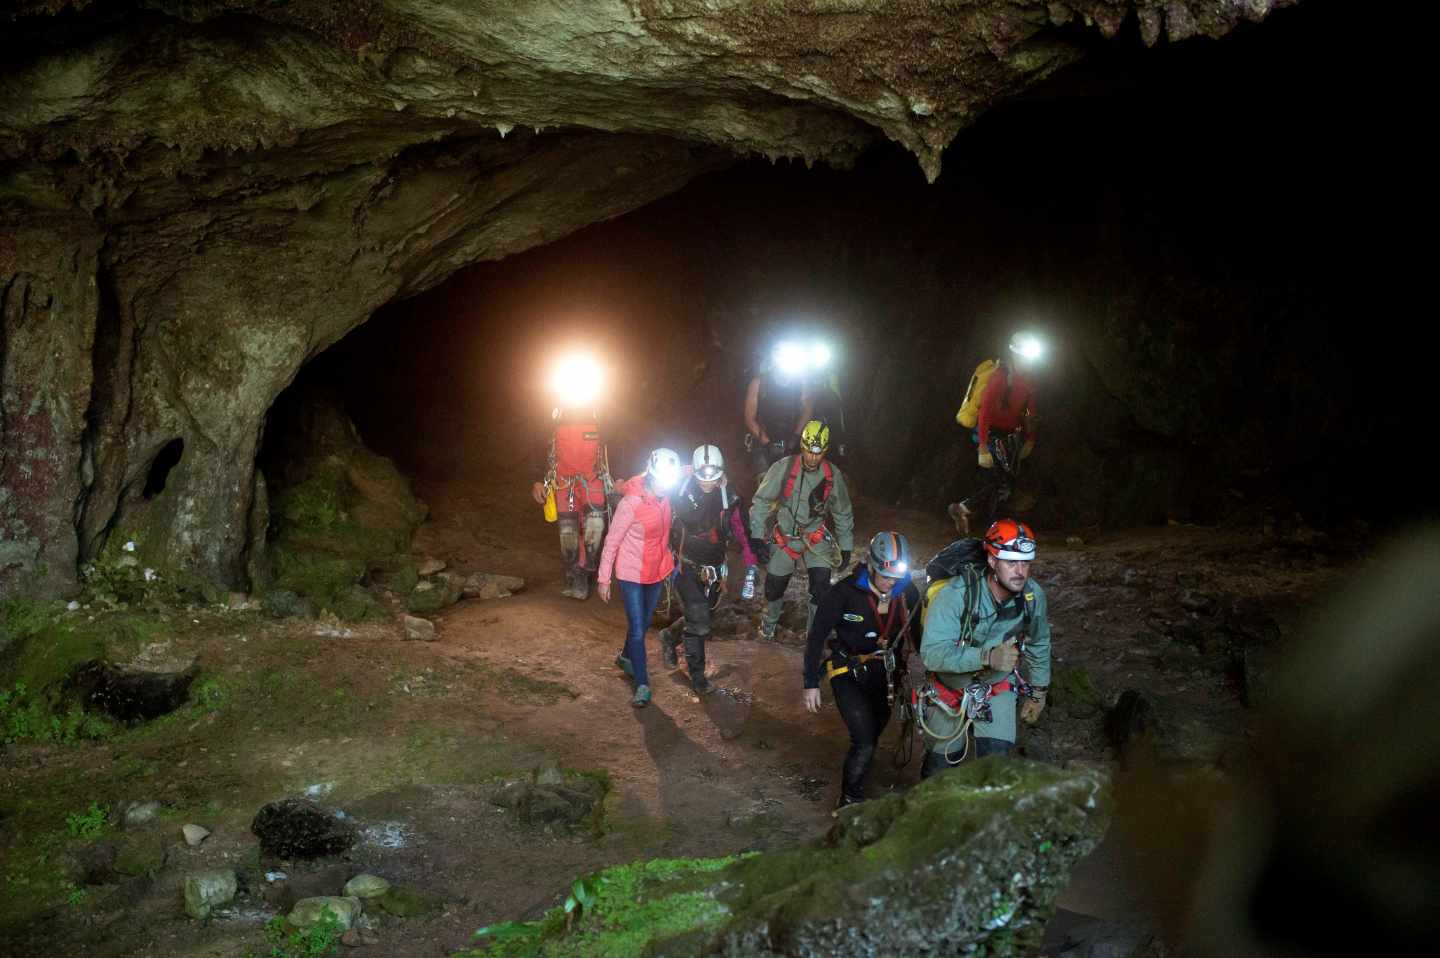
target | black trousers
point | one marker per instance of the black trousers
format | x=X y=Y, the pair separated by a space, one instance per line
x=696 y=602
x=861 y=699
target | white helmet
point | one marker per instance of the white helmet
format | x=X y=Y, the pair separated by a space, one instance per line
x=708 y=462
x=663 y=469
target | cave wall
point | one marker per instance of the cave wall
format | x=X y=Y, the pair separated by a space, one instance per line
x=196 y=197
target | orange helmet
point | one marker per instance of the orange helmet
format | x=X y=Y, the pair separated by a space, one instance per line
x=1010 y=540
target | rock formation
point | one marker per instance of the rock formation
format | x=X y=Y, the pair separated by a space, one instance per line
x=198 y=197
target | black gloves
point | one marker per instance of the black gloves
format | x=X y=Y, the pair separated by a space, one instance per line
x=761 y=548
x=844 y=559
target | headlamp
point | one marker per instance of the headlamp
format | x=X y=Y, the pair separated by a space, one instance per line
x=790 y=359
x=665 y=476
x=576 y=380
x=1028 y=347
x=819 y=356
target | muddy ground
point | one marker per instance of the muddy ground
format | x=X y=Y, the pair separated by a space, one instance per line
x=411 y=738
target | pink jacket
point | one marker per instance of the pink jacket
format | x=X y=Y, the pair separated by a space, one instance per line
x=637 y=547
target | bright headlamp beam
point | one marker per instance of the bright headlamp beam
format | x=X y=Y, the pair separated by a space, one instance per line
x=819 y=356
x=790 y=358
x=577 y=380
x=664 y=477
x=1031 y=348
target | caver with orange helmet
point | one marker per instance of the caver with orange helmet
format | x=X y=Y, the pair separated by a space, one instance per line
x=986 y=644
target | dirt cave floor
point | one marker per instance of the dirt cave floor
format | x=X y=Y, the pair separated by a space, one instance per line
x=410 y=738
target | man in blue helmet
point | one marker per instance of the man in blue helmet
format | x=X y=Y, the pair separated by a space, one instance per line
x=868 y=619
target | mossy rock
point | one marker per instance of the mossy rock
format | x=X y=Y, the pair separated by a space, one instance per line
x=967 y=862
x=435 y=593
x=357 y=605
x=322 y=577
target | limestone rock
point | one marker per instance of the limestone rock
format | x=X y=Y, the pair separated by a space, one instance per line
x=308 y=912
x=489 y=586
x=208 y=890
x=366 y=886
x=140 y=813
x=419 y=629
x=194 y=834
x=294 y=828
x=430 y=567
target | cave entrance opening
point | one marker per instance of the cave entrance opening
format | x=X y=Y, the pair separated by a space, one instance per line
x=1154 y=212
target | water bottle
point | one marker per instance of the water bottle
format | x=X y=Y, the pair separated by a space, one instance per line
x=747 y=591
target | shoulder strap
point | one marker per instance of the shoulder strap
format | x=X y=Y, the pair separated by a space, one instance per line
x=789 y=486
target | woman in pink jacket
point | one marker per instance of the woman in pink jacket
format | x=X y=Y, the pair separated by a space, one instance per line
x=637 y=552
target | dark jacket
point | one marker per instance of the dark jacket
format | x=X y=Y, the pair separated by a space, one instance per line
x=849 y=611
x=705 y=522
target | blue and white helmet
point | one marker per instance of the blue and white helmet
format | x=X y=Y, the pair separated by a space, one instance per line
x=663 y=469
x=890 y=555
x=708 y=463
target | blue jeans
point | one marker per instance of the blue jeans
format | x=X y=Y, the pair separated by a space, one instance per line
x=640 y=601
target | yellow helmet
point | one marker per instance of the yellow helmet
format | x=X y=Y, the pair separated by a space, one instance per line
x=815 y=437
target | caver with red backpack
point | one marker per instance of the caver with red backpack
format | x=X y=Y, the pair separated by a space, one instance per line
x=577 y=475
x=788 y=523
x=986 y=644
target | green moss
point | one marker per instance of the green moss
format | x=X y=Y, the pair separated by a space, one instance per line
x=633 y=905
x=319 y=576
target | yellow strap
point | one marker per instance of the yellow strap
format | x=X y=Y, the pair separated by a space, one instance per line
x=831 y=671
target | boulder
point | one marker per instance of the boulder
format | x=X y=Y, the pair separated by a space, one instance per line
x=208 y=890
x=194 y=834
x=419 y=629
x=967 y=862
x=366 y=886
x=483 y=585
x=308 y=912
x=295 y=828
x=139 y=813
x=431 y=595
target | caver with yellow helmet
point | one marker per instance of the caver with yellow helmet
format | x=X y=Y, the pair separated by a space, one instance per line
x=796 y=497
x=986 y=644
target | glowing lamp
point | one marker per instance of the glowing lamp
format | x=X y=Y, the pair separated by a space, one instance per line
x=577 y=380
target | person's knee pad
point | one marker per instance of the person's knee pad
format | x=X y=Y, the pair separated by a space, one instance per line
x=569 y=537
x=819 y=583
x=775 y=586
x=594 y=530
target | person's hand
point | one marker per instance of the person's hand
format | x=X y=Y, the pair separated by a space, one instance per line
x=844 y=558
x=1031 y=708
x=1002 y=658
x=761 y=548
x=604 y=589
x=1026 y=449
x=986 y=460
x=537 y=492
x=812 y=701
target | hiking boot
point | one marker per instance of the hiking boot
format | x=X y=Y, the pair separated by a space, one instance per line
x=642 y=696
x=669 y=650
x=700 y=685
x=625 y=665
